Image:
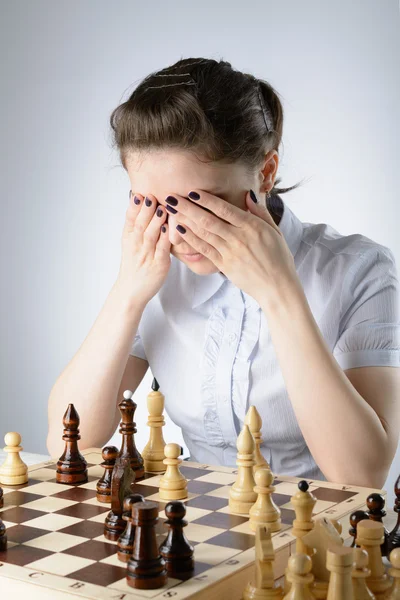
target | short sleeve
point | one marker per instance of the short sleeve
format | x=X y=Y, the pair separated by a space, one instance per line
x=369 y=332
x=137 y=348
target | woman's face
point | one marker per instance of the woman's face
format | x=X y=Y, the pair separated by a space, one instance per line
x=163 y=173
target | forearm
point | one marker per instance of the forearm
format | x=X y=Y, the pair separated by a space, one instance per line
x=91 y=380
x=343 y=432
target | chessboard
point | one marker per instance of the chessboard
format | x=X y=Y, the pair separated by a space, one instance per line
x=57 y=550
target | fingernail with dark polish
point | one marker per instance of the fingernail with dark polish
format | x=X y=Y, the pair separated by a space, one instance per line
x=171 y=200
x=136 y=200
x=253 y=196
x=130 y=194
x=159 y=212
x=181 y=229
x=148 y=201
x=194 y=195
x=172 y=210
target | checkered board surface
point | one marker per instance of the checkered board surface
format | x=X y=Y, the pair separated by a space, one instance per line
x=56 y=548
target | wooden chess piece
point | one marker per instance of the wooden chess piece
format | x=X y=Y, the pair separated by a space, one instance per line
x=146 y=567
x=298 y=573
x=122 y=478
x=71 y=466
x=264 y=587
x=153 y=452
x=355 y=518
x=1 y=497
x=370 y=537
x=339 y=561
x=242 y=495
x=127 y=429
x=394 y=535
x=376 y=512
x=394 y=571
x=338 y=526
x=13 y=471
x=173 y=485
x=3 y=536
x=126 y=539
x=253 y=420
x=176 y=549
x=264 y=511
x=359 y=575
x=303 y=503
x=103 y=486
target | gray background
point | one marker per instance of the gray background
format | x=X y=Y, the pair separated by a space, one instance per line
x=66 y=65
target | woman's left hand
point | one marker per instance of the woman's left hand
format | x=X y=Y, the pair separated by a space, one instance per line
x=247 y=247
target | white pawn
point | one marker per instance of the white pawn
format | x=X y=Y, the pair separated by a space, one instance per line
x=298 y=573
x=264 y=511
x=173 y=485
x=394 y=571
x=359 y=575
x=242 y=495
x=13 y=471
x=253 y=420
x=339 y=561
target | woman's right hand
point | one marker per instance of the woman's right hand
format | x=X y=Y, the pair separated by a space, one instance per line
x=145 y=256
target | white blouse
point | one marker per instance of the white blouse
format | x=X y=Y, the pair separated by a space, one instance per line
x=208 y=345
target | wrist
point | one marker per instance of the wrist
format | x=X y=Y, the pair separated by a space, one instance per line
x=125 y=297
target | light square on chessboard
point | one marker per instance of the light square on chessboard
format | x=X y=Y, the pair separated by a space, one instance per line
x=60 y=564
x=319 y=506
x=157 y=498
x=48 y=504
x=201 y=533
x=45 y=488
x=94 y=458
x=101 y=538
x=52 y=522
x=213 y=555
x=55 y=541
x=289 y=488
x=280 y=538
x=96 y=471
x=219 y=478
x=152 y=481
x=42 y=474
x=221 y=492
x=90 y=485
x=191 y=513
x=100 y=517
x=122 y=586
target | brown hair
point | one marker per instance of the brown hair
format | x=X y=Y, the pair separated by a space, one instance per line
x=205 y=107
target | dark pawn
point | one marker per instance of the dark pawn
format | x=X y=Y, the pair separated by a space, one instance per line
x=103 y=486
x=376 y=512
x=394 y=535
x=121 y=481
x=71 y=466
x=355 y=518
x=3 y=536
x=146 y=568
x=125 y=540
x=127 y=429
x=176 y=550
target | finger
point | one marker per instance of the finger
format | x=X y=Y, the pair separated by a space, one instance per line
x=200 y=245
x=224 y=210
x=163 y=247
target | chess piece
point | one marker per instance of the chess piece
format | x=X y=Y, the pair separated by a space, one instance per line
x=153 y=452
x=146 y=567
x=13 y=471
x=71 y=466
x=322 y=536
x=122 y=478
x=127 y=429
x=1 y=497
x=176 y=550
x=264 y=511
x=253 y=420
x=125 y=540
x=298 y=574
x=303 y=503
x=264 y=586
x=359 y=575
x=103 y=486
x=394 y=571
x=370 y=537
x=3 y=536
x=242 y=495
x=394 y=535
x=376 y=512
x=339 y=561
x=355 y=518
x=173 y=485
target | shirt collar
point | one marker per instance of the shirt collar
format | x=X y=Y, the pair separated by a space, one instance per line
x=205 y=286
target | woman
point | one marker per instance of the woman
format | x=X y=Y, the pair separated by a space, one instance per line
x=231 y=300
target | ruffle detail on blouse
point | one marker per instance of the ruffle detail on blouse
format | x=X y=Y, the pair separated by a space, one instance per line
x=241 y=367
x=212 y=346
